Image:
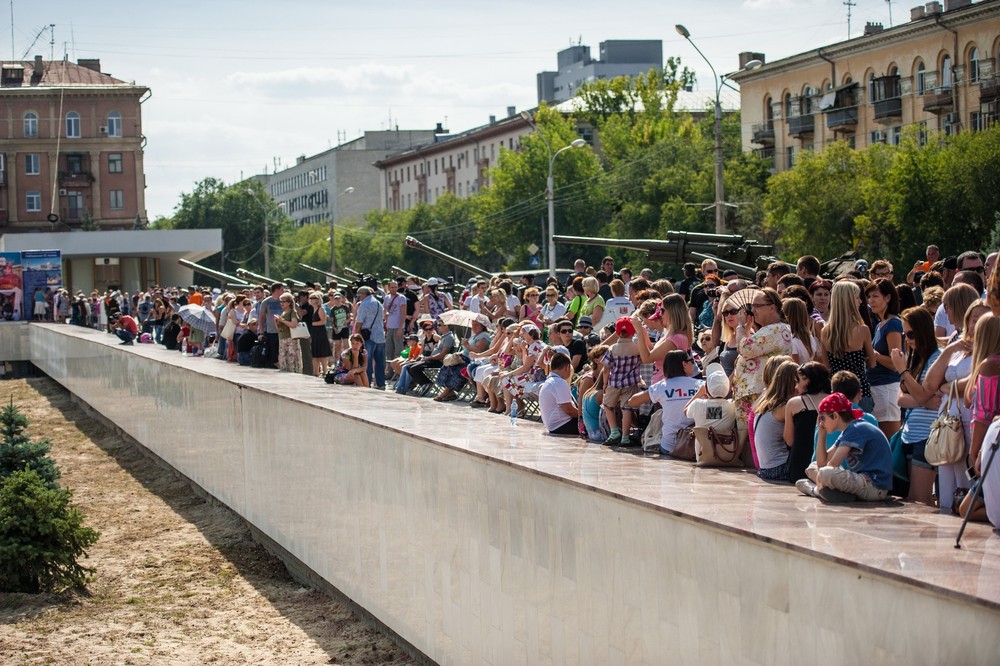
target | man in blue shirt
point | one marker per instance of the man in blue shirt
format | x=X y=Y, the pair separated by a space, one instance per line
x=868 y=472
x=370 y=317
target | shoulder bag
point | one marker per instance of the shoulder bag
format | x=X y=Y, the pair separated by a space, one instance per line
x=300 y=332
x=229 y=330
x=718 y=449
x=684 y=445
x=946 y=443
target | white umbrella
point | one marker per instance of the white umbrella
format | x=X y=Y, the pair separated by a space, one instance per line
x=463 y=318
x=198 y=317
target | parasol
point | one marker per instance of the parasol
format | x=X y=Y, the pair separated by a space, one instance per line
x=198 y=317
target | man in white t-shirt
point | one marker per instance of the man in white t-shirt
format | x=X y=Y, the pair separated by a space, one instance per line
x=555 y=401
x=709 y=408
x=475 y=301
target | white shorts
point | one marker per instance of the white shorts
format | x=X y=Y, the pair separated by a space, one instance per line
x=886 y=402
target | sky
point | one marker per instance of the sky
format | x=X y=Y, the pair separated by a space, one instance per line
x=240 y=87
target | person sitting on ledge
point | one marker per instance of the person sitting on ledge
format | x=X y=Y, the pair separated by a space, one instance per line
x=868 y=475
x=125 y=328
x=555 y=400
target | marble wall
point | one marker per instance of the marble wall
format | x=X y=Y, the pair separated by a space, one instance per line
x=472 y=559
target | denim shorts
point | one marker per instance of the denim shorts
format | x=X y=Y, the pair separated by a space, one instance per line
x=915 y=454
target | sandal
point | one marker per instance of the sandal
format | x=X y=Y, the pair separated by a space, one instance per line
x=448 y=398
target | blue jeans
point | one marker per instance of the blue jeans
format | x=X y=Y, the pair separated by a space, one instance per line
x=403 y=382
x=124 y=336
x=158 y=333
x=376 y=362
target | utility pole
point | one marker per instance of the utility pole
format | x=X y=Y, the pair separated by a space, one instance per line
x=850 y=4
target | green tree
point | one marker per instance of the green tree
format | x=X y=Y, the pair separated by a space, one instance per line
x=241 y=210
x=511 y=213
x=42 y=537
x=18 y=451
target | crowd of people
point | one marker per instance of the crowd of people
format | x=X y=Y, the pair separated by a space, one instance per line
x=848 y=387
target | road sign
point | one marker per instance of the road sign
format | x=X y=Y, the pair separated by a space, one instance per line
x=532 y=249
x=533 y=261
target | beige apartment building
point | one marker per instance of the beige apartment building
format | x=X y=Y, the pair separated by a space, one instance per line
x=938 y=72
x=71 y=147
x=457 y=163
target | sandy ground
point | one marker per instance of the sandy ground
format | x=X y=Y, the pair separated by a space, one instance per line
x=178 y=580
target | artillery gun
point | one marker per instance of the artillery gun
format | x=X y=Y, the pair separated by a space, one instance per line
x=454 y=261
x=730 y=252
x=229 y=280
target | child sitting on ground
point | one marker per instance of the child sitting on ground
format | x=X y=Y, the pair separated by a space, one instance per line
x=555 y=400
x=622 y=362
x=864 y=447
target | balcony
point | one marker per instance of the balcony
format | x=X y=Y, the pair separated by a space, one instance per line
x=80 y=179
x=763 y=134
x=843 y=119
x=799 y=126
x=989 y=90
x=888 y=109
x=938 y=101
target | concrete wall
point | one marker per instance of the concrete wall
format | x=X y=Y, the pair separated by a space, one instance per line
x=473 y=558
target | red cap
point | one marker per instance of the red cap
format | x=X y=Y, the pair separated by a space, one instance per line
x=838 y=402
x=624 y=327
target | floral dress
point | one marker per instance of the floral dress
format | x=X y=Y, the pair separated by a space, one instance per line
x=515 y=385
x=289 y=351
x=748 y=376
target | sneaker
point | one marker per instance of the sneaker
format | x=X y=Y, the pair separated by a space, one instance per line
x=629 y=442
x=806 y=487
x=613 y=440
x=831 y=496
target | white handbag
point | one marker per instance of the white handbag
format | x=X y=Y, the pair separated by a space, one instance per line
x=300 y=332
x=946 y=443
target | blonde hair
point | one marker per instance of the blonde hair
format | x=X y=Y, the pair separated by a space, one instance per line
x=968 y=331
x=726 y=332
x=933 y=296
x=801 y=324
x=771 y=366
x=779 y=390
x=844 y=316
x=958 y=299
x=677 y=317
x=591 y=284
x=985 y=344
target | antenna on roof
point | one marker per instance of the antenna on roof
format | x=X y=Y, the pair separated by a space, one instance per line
x=12 y=29
x=889 y=2
x=850 y=4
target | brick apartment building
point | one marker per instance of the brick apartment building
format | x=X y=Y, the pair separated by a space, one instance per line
x=71 y=145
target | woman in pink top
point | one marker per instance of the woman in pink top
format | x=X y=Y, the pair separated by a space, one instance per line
x=981 y=391
x=671 y=316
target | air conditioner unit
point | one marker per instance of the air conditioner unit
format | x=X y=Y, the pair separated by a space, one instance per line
x=103 y=129
x=62 y=193
x=878 y=136
x=951 y=119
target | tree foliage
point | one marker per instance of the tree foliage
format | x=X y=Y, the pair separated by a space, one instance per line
x=889 y=201
x=18 y=451
x=42 y=536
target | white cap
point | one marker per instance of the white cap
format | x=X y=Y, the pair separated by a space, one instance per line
x=717 y=384
x=432 y=282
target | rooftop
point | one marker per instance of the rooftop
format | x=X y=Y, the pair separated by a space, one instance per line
x=40 y=73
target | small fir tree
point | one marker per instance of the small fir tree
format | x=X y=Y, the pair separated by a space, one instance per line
x=42 y=537
x=17 y=451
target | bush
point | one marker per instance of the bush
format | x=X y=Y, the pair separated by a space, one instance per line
x=41 y=536
x=18 y=452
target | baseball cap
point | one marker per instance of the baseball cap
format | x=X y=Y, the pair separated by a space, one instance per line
x=717 y=382
x=838 y=402
x=586 y=321
x=624 y=327
x=432 y=282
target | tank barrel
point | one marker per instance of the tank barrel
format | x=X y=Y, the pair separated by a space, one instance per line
x=454 y=261
x=244 y=273
x=406 y=273
x=218 y=275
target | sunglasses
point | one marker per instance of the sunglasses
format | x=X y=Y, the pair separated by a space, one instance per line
x=428 y=327
x=910 y=335
x=565 y=330
x=754 y=306
x=730 y=313
x=978 y=269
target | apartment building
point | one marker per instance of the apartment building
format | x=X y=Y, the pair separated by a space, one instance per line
x=937 y=72
x=618 y=57
x=71 y=147
x=339 y=183
x=455 y=163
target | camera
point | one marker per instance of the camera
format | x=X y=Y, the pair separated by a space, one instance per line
x=712 y=292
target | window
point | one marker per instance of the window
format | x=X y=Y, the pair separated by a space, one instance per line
x=2 y=162
x=115 y=163
x=788 y=105
x=33 y=202
x=32 y=165
x=117 y=199
x=944 y=78
x=974 y=65
x=74 y=163
x=806 y=103
x=921 y=79
x=72 y=125
x=114 y=124
x=30 y=125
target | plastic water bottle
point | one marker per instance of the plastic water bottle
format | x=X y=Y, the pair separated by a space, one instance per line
x=184 y=347
x=513 y=414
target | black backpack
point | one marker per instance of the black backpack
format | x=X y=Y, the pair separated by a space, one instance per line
x=258 y=355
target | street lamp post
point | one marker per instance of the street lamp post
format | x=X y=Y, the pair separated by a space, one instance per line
x=267 y=215
x=720 y=187
x=550 y=196
x=333 y=219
